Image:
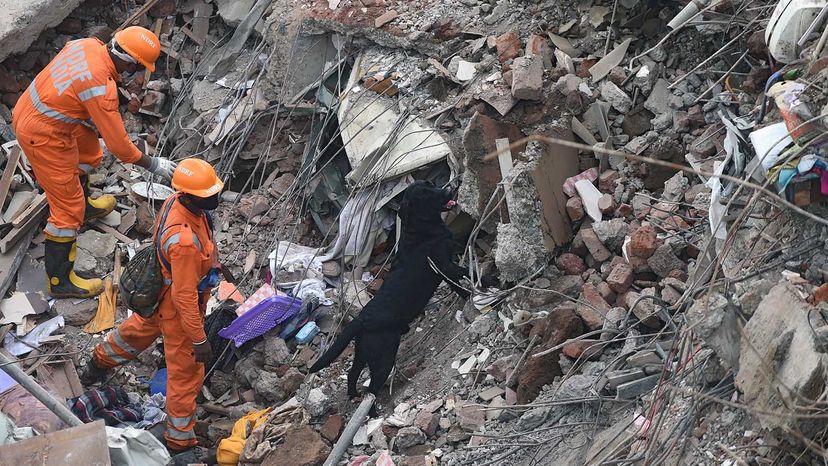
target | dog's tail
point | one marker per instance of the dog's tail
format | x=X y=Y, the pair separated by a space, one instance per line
x=338 y=346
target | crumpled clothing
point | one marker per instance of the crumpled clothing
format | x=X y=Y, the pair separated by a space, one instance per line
x=154 y=411
x=823 y=179
x=312 y=288
x=108 y=403
x=231 y=447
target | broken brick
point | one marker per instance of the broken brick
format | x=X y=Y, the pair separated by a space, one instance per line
x=621 y=278
x=643 y=242
x=593 y=313
x=575 y=208
x=332 y=427
x=427 y=422
x=527 y=78
x=508 y=46
x=583 y=349
x=606 y=204
x=539 y=45
x=596 y=248
x=570 y=264
x=606 y=181
x=386 y=18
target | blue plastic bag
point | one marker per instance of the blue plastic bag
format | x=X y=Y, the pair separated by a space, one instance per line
x=158 y=383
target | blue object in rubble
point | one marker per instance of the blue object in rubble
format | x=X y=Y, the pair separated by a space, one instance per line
x=307 y=333
x=158 y=384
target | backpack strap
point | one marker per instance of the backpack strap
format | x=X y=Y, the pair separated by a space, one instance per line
x=184 y=236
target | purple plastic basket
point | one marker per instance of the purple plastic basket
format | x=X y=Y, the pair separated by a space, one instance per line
x=262 y=317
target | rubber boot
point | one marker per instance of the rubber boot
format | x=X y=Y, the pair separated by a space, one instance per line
x=93 y=374
x=60 y=264
x=95 y=208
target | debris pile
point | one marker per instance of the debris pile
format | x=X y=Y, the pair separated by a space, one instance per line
x=646 y=182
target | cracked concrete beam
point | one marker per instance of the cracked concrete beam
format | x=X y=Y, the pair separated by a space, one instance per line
x=22 y=21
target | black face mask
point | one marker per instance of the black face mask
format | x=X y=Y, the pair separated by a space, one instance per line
x=205 y=203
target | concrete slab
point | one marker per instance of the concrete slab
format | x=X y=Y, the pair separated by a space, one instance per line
x=22 y=21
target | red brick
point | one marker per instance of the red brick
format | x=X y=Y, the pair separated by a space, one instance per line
x=606 y=204
x=508 y=46
x=606 y=181
x=606 y=292
x=643 y=242
x=583 y=349
x=821 y=294
x=570 y=264
x=575 y=208
x=621 y=278
x=539 y=45
x=578 y=247
x=596 y=248
x=332 y=427
x=427 y=422
x=592 y=315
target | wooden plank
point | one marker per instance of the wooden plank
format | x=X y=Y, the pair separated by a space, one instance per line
x=172 y=53
x=128 y=221
x=61 y=377
x=157 y=30
x=137 y=15
x=192 y=35
x=11 y=260
x=8 y=173
x=104 y=228
x=84 y=445
x=20 y=201
x=504 y=160
x=19 y=232
x=555 y=165
x=37 y=205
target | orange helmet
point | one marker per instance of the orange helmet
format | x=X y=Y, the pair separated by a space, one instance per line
x=196 y=177
x=141 y=44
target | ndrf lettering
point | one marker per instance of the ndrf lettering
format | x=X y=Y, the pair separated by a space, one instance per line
x=69 y=66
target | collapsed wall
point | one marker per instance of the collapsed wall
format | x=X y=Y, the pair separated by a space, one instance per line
x=22 y=21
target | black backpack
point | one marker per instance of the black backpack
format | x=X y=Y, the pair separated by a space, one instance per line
x=141 y=280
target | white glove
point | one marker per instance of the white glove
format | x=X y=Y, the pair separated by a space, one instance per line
x=162 y=167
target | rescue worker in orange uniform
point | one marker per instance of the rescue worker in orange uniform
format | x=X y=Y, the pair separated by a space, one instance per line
x=50 y=121
x=190 y=268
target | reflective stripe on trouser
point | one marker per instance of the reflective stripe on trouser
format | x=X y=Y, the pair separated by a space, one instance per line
x=127 y=340
x=184 y=374
x=52 y=230
x=184 y=377
x=180 y=429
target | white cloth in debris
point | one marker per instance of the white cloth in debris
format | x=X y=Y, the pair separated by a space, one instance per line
x=154 y=411
x=291 y=257
x=717 y=210
x=363 y=222
x=132 y=446
x=312 y=288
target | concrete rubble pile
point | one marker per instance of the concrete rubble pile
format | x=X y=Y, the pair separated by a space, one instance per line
x=645 y=180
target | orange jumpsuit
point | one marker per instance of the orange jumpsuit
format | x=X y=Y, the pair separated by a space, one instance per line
x=180 y=319
x=78 y=84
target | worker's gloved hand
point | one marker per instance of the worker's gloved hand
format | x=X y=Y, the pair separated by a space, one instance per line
x=161 y=167
x=203 y=352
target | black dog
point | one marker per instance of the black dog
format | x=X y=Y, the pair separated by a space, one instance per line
x=405 y=292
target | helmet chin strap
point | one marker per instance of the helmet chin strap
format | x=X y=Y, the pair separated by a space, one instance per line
x=123 y=56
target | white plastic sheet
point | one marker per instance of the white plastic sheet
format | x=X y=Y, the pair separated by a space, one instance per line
x=129 y=447
x=32 y=339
